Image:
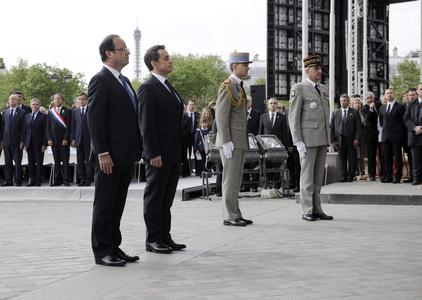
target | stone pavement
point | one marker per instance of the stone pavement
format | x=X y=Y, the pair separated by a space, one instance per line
x=367 y=252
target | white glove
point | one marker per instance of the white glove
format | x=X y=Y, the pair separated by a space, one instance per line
x=301 y=148
x=228 y=149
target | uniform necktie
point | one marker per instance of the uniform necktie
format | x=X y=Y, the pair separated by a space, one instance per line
x=128 y=90
x=317 y=88
x=272 y=119
x=241 y=86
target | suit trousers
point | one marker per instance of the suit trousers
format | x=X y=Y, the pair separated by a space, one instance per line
x=158 y=199
x=417 y=162
x=35 y=163
x=372 y=157
x=13 y=154
x=84 y=167
x=311 y=179
x=348 y=158
x=61 y=156
x=231 y=181
x=109 y=202
x=393 y=149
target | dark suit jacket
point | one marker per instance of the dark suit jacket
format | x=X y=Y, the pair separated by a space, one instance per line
x=412 y=119
x=371 y=118
x=392 y=124
x=112 y=120
x=80 y=131
x=279 y=129
x=353 y=126
x=35 y=131
x=12 y=131
x=26 y=109
x=55 y=131
x=196 y=122
x=253 y=121
x=160 y=114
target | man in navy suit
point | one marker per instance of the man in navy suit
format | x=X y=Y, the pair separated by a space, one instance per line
x=79 y=135
x=10 y=141
x=58 y=137
x=35 y=142
x=160 y=112
x=391 y=121
x=114 y=129
x=275 y=123
x=26 y=109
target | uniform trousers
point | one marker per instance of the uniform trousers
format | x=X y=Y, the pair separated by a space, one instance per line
x=311 y=179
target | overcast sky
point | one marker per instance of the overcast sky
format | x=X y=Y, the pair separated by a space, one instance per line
x=67 y=33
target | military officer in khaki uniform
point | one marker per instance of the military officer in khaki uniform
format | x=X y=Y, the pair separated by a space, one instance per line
x=232 y=137
x=310 y=127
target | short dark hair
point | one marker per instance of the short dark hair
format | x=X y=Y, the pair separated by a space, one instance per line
x=107 y=45
x=16 y=92
x=356 y=96
x=345 y=96
x=58 y=94
x=152 y=55
x=411 y=90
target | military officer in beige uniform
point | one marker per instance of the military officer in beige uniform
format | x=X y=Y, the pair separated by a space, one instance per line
x=232 y=137
x=310 y=127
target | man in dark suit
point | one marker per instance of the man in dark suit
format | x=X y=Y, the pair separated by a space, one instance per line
x=275 y=123
x=81 y=139
x=11 y=141
x=253 y=128
x=370 y=113
x=345 y=135
x=34 y=141
x=413 y=121
x=408 y=98
x=58 y=137
x=160 y=113
x=26 y=109
x=114 y=129
x=193 y=117
x=391 y=121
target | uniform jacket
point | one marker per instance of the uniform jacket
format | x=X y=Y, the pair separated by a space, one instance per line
x=231 y=121
x=392 y=123
x=309 y=114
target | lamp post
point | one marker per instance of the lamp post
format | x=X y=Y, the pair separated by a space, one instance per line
x=61 y=79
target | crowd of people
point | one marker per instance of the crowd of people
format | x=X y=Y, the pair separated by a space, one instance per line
x=33 y=128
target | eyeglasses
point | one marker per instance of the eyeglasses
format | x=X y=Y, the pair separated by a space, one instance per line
x=122 y=49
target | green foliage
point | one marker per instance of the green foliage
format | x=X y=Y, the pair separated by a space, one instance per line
x=261 y=81
x=198 y=77
x=34 y=81
x=407 y=77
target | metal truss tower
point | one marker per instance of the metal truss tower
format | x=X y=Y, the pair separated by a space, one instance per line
x=137 y=37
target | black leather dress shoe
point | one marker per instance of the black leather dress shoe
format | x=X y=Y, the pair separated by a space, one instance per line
x=31 y=184
x=396 y=180
x=158 y=247
x=408 y=180
x=81 y=184
x=120 y=254
x=174 y=246
x=66 y=183
x=7 y=184
x=110 y=260
x=254 y=189
x=416 y=182
x=18 y=184
x=323 y=216
x=371 y=178
x=56 y=184
x=387 y=180
x=343 y=180
x=248 y=222
x=88 y=183
x=308 y=217
x=237 y=222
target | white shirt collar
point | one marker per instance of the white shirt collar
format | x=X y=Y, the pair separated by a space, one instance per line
x=59 y=108
x=160 y=78
x=420 y=100
x=237 y=79
x=391 y=103
x=113 y=71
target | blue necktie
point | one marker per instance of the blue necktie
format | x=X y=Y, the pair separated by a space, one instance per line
x=128 y=90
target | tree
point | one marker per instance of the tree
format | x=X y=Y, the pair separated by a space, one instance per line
x=198 y=77
x=407 y=77
x=35 y=82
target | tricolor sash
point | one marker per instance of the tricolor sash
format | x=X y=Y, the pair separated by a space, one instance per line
x=58 y=117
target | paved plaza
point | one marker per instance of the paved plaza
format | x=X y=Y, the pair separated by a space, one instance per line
x=367 y=252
